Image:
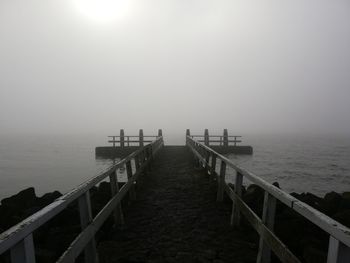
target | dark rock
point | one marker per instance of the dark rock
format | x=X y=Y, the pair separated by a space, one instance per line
x=343 y=217
x=254 y=197
x=48 y=198
x=311 y=199
x=332 y=203
x=23 y=199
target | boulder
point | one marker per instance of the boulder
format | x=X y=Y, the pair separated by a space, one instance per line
x=22 y=200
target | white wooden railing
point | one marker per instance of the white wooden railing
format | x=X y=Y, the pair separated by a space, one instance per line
x=19 y=238
x=339 y=235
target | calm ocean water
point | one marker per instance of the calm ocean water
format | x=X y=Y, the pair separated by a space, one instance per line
x=299 y=163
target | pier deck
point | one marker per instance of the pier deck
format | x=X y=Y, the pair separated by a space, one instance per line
x=176 y=218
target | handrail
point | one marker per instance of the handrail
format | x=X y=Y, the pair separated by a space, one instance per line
x=19 y=237
x=339 y=244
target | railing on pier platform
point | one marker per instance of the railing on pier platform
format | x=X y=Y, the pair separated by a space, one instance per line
x=220 y=140
x=126 y=140
x=339 y=235
x=19 y=238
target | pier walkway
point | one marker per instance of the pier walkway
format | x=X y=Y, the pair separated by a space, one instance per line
x=176 y=218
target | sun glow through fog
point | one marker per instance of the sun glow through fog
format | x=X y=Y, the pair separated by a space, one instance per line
x=103 y=11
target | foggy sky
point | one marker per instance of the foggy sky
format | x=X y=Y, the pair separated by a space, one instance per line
x=250 y=66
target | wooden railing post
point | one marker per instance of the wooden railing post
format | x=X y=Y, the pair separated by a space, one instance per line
x=236 y=216
x=188 y=133
x=337 y=251
x=85 y=220
x=23 y=252
x=132 y=193
x=206 y=137
x=268 y=219
x=221 y=182
x=207 y=157
x=160 y=133
x=118 y=212
x=213 y=165
x=141 y=137
x=122 y=138
x=225 y=138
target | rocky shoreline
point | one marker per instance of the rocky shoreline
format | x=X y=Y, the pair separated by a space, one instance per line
x=306 y=240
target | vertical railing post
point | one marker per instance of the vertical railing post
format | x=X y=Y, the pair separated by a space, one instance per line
x=160 y=133
x=206 y=137
x=268 y=219
x=235 y=141
x=132 y=193
x=85 y=220
x=122 y=138
x=236 y=216
x=113 y=141
x=188 y=133
x=221 y=182
x=225 y=138
x=337 y=251
x=207 y=157
x=141 y=137
x=118 y=212
x=23 y=251
x=213 y=164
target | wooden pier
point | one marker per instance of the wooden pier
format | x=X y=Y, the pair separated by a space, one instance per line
x=180 y=209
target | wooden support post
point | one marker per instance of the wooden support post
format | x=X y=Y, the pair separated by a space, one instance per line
x=122 y=138
x=225 y=138
x=132 y=193
x=118 y=212
x=160 y=133
x=206 y=137
x=337 y=251
x=188 y=133
x=113 y=140
x=236 y=216
x=206 y=165
x=141 y=137
x=85 y=219
x=221 y=182
x=213 y=165
x=23 y=252
x=268 y=219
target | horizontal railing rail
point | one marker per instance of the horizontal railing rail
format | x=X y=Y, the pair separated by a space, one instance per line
x=19 y=238
x=339 y=240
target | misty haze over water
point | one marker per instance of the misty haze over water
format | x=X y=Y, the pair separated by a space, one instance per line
x=70 y=75
x=299 y=163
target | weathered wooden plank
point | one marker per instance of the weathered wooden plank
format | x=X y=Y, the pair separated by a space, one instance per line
x=132 y=193
x=334 y=228
x=118 y=212
x=225 y=137
x=141 y=137
x=268 y=218
x=213 y=165
x=337 y=252
x=235 y=216
x=221 y=182
x=281 y=250
x=23 y=252
x=85 y=219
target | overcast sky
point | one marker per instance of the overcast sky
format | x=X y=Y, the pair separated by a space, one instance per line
x=250 y=66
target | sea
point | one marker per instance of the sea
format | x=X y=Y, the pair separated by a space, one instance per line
x=299 y=163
